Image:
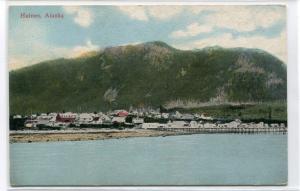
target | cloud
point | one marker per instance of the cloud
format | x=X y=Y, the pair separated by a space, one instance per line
x=164 y=12
x=42 y=51
x=82 y=49
x=15 y=63
x=191 y=30
x=236 y=17
x=144 y=13
x=275 y=45
x=134 y=12
x=82 y=16
x=242 y=18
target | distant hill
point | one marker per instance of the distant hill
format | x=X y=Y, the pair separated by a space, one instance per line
x=148 y=74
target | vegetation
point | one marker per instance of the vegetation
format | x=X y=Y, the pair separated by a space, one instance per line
x=271 y=111
x=151 y=74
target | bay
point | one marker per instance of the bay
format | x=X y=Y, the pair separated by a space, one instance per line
x=202 y=159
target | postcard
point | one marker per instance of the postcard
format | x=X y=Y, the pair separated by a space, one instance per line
x=147 y=95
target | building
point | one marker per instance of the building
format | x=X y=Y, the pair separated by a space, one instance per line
x=176 y=115
x=66 y=117
x=165 y=115
x=137 y=120
x=204 y=117
x=121 y=113
x=150 y=125
x=30 y=123
x=178 y=124
x=44 y=119
x=84 y=118
x=187 y=116
x=118 y=120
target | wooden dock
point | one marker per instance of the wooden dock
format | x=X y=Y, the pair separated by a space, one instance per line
x=224 y=130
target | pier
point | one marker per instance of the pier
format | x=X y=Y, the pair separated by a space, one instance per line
x=223 y=130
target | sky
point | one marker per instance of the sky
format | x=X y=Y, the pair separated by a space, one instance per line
x=89 y=28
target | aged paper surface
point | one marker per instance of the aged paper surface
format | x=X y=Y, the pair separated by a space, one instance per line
x=147 y=95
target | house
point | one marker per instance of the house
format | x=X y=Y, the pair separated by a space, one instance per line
x=121 y=113
x=44 y=119
x=137 y=120
x=187 y=116
x=274 y=125
x=17 y=117
x=165 y=115
x=58 y=124
x=209 y=125
x=53 y=115
x=135 y=113
x=178 y=124
x=260 y=125
x=157 y=116
x=150 y=125
x=193 y=124
x=176 y=115
x=234 y=124
x=202 y=116
x=66 y=117
x=30 y=123
x=118 y=119
x=84 y=118
x=33 y=116
x=104 y=118
x=96 y=121
x=282 y=125
x=197 y=116
x=222 y=125
x=244 y=125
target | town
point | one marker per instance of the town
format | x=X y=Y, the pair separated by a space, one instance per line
x=141 y=119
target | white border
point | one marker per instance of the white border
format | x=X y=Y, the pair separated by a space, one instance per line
x=148 y=2
x=3 y=100
x=293 y=26
x=293 y=95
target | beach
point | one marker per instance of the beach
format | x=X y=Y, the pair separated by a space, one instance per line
x=29 y=136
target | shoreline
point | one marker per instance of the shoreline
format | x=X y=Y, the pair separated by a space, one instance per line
x=85 y=135
x=88 y=134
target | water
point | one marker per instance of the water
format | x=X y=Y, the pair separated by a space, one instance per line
x=205 y=159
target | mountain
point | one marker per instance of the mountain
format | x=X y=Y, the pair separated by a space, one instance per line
x=147 y=74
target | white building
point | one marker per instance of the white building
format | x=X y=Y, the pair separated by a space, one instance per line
x=118 y=119
x=176 y=115
x=68 y=115
x=84 y=118
x=178 y=124
x=234 y=124
x=260 y=125
x=30 y=123
x=194 y=124
x=137 y=120
x=209 y=125
x=165 y=115
x=150 y=125
x=44 y=119
x=17 y=117
x=187 y=116
x=205 y=117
